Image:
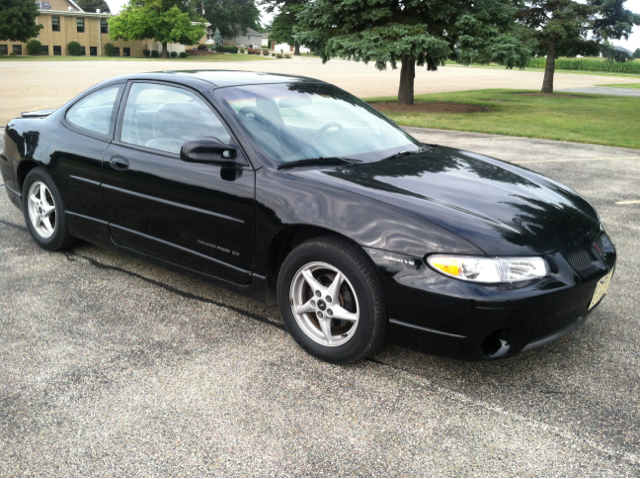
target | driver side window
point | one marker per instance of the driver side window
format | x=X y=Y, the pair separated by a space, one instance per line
x=164 y=118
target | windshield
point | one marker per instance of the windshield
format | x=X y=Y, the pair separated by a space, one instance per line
x=298 y=121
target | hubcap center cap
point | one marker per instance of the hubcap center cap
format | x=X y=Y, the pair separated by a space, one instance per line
x=322 y=305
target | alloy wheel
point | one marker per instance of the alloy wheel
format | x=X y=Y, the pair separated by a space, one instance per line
x=324 y=304
x=42 y=209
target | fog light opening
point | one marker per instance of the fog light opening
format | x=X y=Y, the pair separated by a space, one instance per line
x=496 y=344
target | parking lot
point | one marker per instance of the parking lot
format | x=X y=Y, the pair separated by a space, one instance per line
x=112 y=366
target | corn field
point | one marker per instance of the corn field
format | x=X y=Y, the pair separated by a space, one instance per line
x=592 y=64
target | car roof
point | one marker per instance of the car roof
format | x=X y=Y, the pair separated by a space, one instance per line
x=219 y=78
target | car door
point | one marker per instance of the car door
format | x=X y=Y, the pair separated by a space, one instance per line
x=198 y=215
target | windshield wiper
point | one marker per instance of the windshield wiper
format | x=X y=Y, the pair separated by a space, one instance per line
x=320 y=161
x=408 y=153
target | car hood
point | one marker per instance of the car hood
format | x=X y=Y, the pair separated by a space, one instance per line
x=499 y=207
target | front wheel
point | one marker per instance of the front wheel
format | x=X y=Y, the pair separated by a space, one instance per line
x=331 y=300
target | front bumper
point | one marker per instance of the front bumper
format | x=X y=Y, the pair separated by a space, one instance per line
x=439 y=315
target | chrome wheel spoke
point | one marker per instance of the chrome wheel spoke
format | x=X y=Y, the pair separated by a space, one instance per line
x=47 y=210
x=46 y=223
x=306 y=307
x=340 y=313
x=312 y=281
x=43 y=194
x=34 y=199
x=325 y=325
x=334 y=288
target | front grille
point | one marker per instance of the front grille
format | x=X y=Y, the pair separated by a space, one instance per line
x=581 y=260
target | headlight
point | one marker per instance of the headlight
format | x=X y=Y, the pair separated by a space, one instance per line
x=489 y=270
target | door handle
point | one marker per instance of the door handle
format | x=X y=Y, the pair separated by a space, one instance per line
x=119 y=163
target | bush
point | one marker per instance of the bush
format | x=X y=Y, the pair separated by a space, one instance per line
x=109 y=49
x=279 y=55
x=154 y=54
x=174 y=54
x=146 y=52
x=34 y=47
x=183 y=55
x=287 y=56
x=265 y=52
x=241 y=49
x=592 y=64
x=202 y=47
x=273 y=54
x=219 y=48
x=75 y=48
x=233 y=49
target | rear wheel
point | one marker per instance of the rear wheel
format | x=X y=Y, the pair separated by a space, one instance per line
x=44 y=211
x=331 y=300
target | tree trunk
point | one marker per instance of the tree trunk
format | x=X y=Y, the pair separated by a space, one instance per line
x=297 y=49
x=407 y=78
x=550 y=67
x=165 y=53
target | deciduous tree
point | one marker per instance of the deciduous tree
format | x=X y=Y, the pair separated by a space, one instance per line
x=18 y=20
x=93 y=5
x=152 y=19
x=232 y=17
x=284 y=20
x=572 y=27
x=410 y=32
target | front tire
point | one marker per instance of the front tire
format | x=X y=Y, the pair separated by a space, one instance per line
x=43 y=211
x=331 y=300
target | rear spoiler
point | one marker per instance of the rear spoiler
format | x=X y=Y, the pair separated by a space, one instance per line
x=36 y=114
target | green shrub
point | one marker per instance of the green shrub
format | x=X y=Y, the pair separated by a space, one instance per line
x=286 y=55
x=233 y=49
x=174 y=54
x=146 y=52
x=591 y=64
x=154 y=54
x=265 y=52
x=183 y=55
x=279 y=55
x=109 y=49
x=12 y=54
x=219 y=48
x=273 y=54
x=241 y=49
x=75 y=49
x=202 y=47
x=34 y=47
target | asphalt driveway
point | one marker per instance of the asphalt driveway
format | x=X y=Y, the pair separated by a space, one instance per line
x=112 y=366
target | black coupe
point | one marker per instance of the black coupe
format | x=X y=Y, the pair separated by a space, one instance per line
x=288 y=189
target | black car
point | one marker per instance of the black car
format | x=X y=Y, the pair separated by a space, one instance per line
x=288 y=189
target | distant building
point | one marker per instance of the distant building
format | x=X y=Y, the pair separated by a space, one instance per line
x=252 y=39
x=65 y=22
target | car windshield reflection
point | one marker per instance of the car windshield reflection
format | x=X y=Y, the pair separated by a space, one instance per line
x=298 y=121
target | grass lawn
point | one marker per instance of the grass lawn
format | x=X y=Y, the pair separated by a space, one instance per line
x=530 y=69
x=624 y=85
x=227 y=57
x=598 y=119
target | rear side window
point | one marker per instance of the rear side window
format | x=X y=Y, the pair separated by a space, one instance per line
x=164 y=118
x=95 y=112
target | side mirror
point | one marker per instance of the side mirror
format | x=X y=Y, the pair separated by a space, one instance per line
x=209 y=150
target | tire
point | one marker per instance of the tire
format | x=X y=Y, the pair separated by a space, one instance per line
x=46 y=220
x=339 y=328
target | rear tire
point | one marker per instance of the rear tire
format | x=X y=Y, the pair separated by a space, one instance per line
x=43 y=211
x=331 y=300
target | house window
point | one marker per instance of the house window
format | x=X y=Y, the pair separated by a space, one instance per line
x=83 y=52
x=104 y=26
x=17 y=49
x=80 y=25
x=55 y=24
x=93 y=51
x=45 y=50
x=116 y=52
x=3 y=50
x=57 y=50
x=126 y=51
